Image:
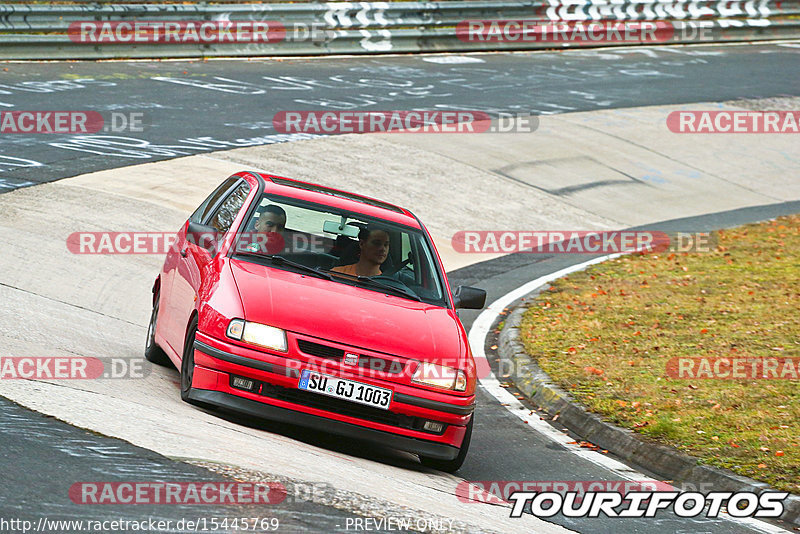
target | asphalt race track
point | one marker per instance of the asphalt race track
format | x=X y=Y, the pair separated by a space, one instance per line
x=191 y=107
x=198 y=107
x=31 y=492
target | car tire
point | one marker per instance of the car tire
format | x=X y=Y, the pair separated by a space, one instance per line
x=152 y=352
x=450 y=466
x=187 y=367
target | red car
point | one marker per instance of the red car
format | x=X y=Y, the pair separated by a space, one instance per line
x=313 y=306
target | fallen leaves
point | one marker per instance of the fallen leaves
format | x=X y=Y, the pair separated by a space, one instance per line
x=647 y=310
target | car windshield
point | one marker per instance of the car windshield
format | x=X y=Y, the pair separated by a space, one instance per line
x=346 y=247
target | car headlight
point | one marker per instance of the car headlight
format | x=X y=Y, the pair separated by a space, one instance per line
x=258 y=334
x=440 y=376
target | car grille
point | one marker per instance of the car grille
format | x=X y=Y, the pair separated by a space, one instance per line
x=392 y=367
x=322 y=351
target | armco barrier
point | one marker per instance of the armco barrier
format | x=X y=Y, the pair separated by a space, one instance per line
x=40 y=31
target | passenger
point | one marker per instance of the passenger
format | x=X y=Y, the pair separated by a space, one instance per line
x=374 y=248
x=269 y=229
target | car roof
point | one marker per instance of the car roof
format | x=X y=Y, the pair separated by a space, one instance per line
x=337 y=198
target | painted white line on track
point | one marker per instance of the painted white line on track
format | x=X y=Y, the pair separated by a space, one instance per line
x=452 y=60
x=477 y=336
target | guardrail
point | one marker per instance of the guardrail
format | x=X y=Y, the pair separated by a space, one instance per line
x=75 y=31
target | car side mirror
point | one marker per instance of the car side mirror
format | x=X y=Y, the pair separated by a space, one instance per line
x=470 y=298
x=203 y=236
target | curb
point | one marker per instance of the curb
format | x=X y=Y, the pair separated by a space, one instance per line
x=664 y=461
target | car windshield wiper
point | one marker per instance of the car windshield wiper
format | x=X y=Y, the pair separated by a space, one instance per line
x=277 y=259
x=376 y=283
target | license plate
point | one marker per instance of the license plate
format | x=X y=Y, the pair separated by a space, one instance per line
x=342 y=388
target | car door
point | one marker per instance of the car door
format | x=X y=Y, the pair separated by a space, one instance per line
x=196 y=265
x=168 y=327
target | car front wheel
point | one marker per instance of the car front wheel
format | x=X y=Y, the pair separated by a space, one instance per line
x=187 y=367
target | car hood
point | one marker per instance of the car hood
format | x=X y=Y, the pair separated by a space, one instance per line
x=347 y=314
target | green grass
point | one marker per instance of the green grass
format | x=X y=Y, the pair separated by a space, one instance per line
x=606 y=335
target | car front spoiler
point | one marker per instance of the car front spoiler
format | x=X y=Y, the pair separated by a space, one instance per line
x=438 y=451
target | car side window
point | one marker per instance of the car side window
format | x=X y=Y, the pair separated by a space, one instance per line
x=406 y=252
x=201 y=213
x=223 y=217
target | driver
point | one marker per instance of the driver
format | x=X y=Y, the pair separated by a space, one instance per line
x=374 y=248
x=271 y=219
x=270 y=227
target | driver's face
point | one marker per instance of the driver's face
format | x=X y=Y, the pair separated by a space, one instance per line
x=270 y=222
x=376 y=247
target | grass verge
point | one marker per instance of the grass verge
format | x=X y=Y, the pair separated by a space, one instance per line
x=606 y=335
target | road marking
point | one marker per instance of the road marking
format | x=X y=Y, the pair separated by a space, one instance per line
x=477 y=336
x=452 y=60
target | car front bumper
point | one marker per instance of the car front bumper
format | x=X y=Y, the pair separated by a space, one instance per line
x=276 y=396
x=440 y=451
